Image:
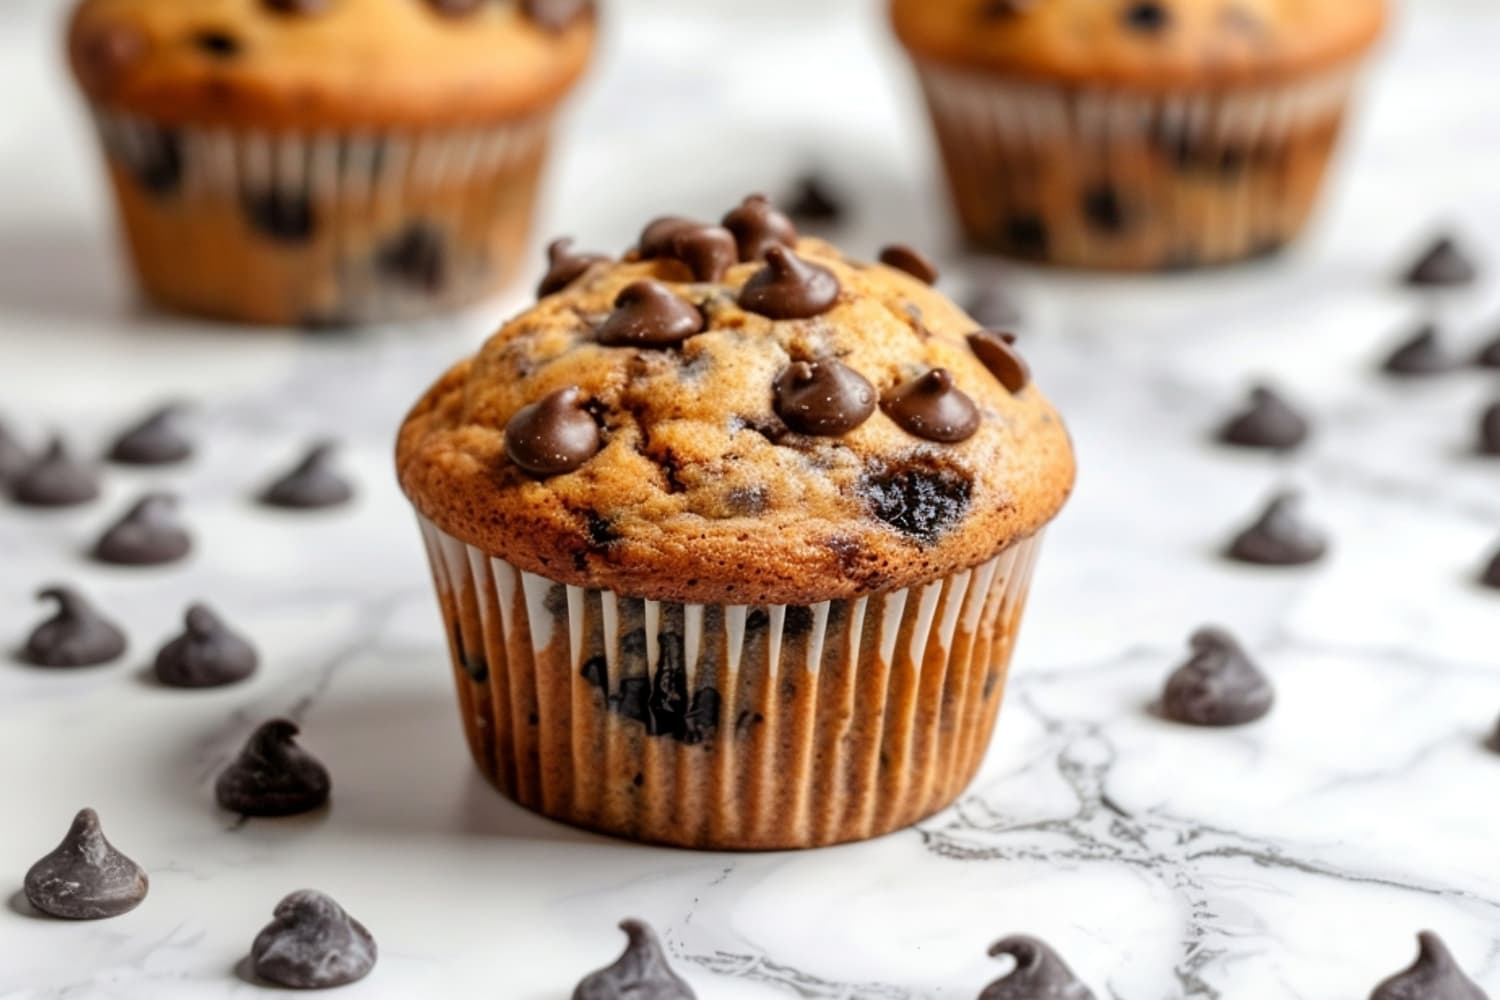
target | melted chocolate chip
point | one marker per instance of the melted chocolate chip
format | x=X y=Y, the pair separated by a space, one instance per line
x=156 y=440
x=641 y=971
x=1218 y=686
x=1420 y=354
x=554 y=435
x=1278 y=537
x=304 y=7
x=13 y=456
x=312 y=944
x=1433 y=976
x=311 y=484
x=273 y=776
x=932 y=407
x=815 y=199
x=219 y=44
x=564 y=266
x=416 y=257
x=708 y=251
x=823 y=397
x=996 y=351
x=85 y=878
x=649 y=314
x=55 y=479
x=1489 y=355
x=789 y=287
x=149 y=534
x=1489 y=429
x=757 y=227
x=207 y=654
x=1442 y=264
x=1147 y=16
x=1039 y=973
x=1104 y=210
x=920 y=500
x=1269 y=421
x=556 y=15
x=992 y=307
x=282 y=216
x=76 y=636
x=905 y=258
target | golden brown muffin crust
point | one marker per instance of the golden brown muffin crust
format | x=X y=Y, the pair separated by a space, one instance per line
x=339 y=64
x=700 y=492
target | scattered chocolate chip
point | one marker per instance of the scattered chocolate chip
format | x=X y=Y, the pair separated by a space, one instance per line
x=296 y=6
x=310 y=484
x=1491 y=576
x=996 y=351
x=1442 y=264
x=815 y=199
x=904 y=258
x=823 y=397
x=1433 y=976
x=1218 y=686
x=417 y=257
x=282 y=216
x=640 y=971
x=55 y=479
x=1421 y=354
x=85 y=878
x=789 y=287
x=1025 y=236
x=207 y=654
x=1489 y=429
x=554 y=435
x=656 y=239
x=1269 y=421
x=556 y=15
x=564 y=266
x=992 y=307
x=932 y=407
x=273 y=776
x=149 y=534
x=920 y=499
x=312 y=944
x=219 y=44
x=1039 y=973
x=708 y=251
x=76 y=636
x=13 y=456
x=1148 y=16
x=1489 y=355
x=1278 y=537
x=156 y=440
x=649 y=314
x=757 y=227
x=1104 y=210
x=155 y=160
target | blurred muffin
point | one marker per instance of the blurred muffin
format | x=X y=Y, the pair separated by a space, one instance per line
x=326 y=162
x=732 y=537
x=1136 y=134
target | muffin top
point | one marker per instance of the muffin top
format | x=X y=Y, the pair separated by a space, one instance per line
x=304 y=64
x=1146 y=44
x=731 y=414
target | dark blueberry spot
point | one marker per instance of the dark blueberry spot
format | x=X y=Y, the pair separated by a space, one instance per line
x=921 y=500
x=1148 y=16
x=219 y=44
x=156 y=162
x=632 y=700
x=1103 y=209
x=596 y=672
x=669 y=698
x=1025 y=236
x=417 y=257
x=799 y=620
x=287 y=218
x=703 y=718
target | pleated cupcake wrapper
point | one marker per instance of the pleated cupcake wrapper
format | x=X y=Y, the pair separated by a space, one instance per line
x=1104 y=177
x=728 y=726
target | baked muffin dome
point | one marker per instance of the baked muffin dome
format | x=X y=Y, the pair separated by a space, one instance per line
x=732 y=414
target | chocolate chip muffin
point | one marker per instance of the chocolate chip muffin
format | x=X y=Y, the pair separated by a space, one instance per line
x=732 y=536
x=326 y=162
x=1136 y=134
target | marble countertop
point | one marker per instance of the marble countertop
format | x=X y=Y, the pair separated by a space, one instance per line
x=1296 y=858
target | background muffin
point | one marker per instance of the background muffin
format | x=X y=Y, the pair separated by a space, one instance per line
x=731 y=540
x=325 y=161
x=1136 y=134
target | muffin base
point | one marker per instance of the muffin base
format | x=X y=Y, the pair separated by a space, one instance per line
x=1119 y=180
x=728 y=727
x=333 y=230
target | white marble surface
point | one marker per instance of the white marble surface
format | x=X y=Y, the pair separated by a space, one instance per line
x=1293 y=859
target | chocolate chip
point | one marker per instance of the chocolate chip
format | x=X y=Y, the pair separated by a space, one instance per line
x=156 y=440
x=85 y=878
x=1000 y=10
x=296 y=6
x=1443 y=264
x=656 y=239
x=1269 y=421
x=219 y=44
x=667 y=703
x=1433 y=976
x=932 y=407
x=708 y=251
x=992 y=307
x=207 y=654
x=1489 y=429
x=649 y=314
x=1025 y=236
x=13 y=456
x=757 y=227
x=312 y=944
x=702 y=720
x=823 y=397
x=554 y=435
x=789 y=287
x=55 y=479
x=1039 y=973
x=280 y=215
x=76 y=636
x=155 y=161
x=815 y=199
x=1491 y=576
x=904 y=258
x=1218 y=686
x=640 y=971
x=1489 y=355
x=921 y=500
x=1421 y=354
x=148 y=534
x=1278 y=537
x=311 y=484
x=1104 y=209
x=273 y=776
x=564 y=266
x=995 y=350
x=556 y=15
x=1148 y=16
x=417 y=257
